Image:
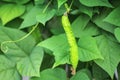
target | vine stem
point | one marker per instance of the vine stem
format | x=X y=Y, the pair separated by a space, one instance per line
x=5 y=48
x=68 y=8
x=71 y=4
x=47 y=6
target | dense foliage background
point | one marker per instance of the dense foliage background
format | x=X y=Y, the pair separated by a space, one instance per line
x=34 y=44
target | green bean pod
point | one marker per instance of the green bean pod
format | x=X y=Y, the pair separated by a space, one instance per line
x=72 y=42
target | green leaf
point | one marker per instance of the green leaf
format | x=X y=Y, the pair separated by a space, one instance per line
x=98 y=20
x=17 y=1
x=36 y=15
x=113 y=17
x=27 y=10
x=17 y=50
x=27 y=56
x=80 y=75
x=99 y=73
x=52 y=74
x=61 y=55
x=52 y=42
x=60 y=3
x=8 y=70
x=86 y=10
x=93 y=3
x=111 y=53
x=82 y=9
x=9 y=12
x=88 y=49
x=83 y=21
x=30 y=65
x=43 y=17
x=117 y=33
x=30 y=18
x=81 y=27
x=60 y=49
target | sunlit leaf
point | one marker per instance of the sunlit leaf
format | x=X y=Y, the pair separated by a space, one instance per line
x=82 y=27
x=16 y=50
x=43 y=17
x=111 y=53
x=9 y=12
x=60 y=49
x=88 y=52
x=30 y=65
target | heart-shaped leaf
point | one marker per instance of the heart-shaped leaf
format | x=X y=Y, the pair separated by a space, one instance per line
x=111 y=53
x=30 y=65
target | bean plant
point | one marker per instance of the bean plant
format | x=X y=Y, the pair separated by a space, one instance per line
x=60 y=39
